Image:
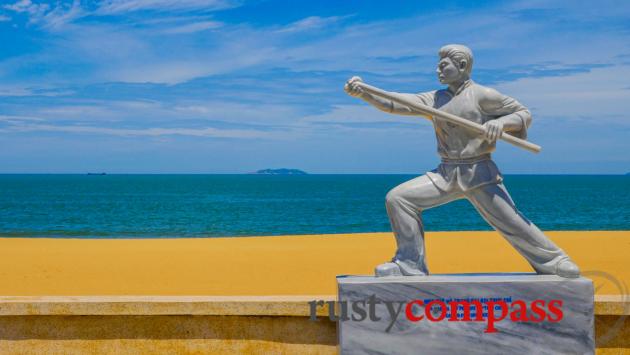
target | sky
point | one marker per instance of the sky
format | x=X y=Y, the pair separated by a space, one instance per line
x=229 y=86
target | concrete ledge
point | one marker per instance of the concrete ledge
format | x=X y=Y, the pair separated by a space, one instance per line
x=160 y=305
x=206 y=305
x=165 y=334
x=612 y=305
x=200 y=324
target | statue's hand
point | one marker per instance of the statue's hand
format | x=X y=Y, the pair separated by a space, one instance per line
x=352 y=89
x=493 y=130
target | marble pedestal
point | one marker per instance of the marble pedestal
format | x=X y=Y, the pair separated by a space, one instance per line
x=570 y=333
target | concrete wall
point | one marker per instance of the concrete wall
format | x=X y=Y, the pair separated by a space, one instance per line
x=278 y=325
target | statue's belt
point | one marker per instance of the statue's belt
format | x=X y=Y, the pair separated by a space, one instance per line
x=466 y=160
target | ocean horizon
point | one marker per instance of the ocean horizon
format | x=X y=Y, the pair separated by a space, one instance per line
x=254 y=173
x=232 y=205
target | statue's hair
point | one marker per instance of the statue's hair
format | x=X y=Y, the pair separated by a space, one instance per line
x=457 y=53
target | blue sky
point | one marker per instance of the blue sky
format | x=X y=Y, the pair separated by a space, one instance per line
x=221 y=86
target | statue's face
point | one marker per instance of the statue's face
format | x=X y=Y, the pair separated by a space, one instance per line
x=448 y=72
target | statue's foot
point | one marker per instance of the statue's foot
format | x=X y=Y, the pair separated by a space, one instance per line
x=387 y=269
x=567 y=269
x=397 y=268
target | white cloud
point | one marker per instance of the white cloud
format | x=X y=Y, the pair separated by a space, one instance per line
x=60 y=16
x=179 y=69
x=35 y=11
x=598 y=96
x=15 y=91
x=122 y=6
x=90 y=112
x=364 y=118
x=152 y=132
x=275 y=121
x=194 y=27
x=310 y=23
x=258 y=113
x=25 y=6
x=46 y=16
x=4 y=18
x=17 y=119
x=21 y=91
x=62 y=13
x=355 y=114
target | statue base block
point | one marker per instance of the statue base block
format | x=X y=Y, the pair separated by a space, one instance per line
x=438 y=314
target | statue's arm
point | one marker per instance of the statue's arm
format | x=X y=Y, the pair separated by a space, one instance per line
x=387 y=105
x=509 y=114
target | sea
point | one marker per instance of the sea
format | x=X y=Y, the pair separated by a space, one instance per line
x=188 y=206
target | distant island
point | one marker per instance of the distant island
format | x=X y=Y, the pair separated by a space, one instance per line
x=280 y=172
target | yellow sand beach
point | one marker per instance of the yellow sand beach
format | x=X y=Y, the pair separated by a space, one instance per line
x=285 y=265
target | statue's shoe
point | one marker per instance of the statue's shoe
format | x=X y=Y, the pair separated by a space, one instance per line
x=396 y=268
x=567 y=269
x=387 y=269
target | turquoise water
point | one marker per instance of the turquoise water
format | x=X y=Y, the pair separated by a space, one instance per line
x=154 y=206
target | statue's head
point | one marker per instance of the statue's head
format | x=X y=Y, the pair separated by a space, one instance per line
x=455 y=63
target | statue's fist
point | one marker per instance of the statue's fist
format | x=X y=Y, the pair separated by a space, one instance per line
x=493 y=130
x=352 y=89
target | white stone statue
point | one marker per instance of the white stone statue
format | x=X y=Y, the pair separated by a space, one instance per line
x=467 y=170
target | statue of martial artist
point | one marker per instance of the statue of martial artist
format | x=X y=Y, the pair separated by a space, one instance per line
x=466 y=171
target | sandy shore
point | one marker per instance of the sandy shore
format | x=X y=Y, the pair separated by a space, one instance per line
x=287 y=265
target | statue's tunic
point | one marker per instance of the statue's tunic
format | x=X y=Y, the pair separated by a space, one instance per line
x=467 y=172
x=478 y=104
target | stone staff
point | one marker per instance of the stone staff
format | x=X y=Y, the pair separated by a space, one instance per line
x=432 y=112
